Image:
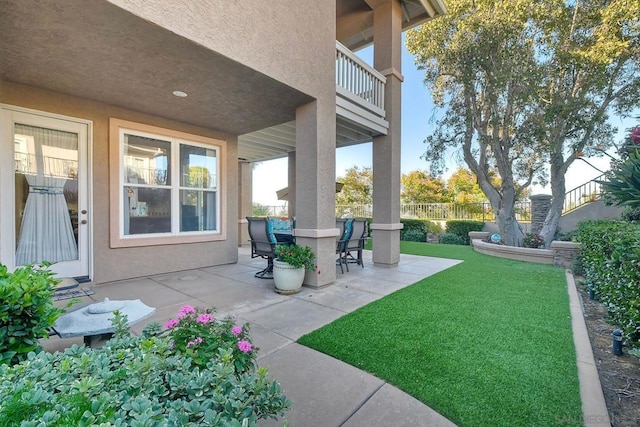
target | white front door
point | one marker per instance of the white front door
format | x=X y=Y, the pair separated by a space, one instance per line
x=44 y=214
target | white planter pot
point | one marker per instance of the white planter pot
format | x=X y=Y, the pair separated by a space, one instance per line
x=288 y=279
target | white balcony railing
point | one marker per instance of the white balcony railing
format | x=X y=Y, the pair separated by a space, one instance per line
x=358 y=82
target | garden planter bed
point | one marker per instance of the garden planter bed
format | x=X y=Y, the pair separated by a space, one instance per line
x=541 y=256
x=561 y=253
x=619 y=375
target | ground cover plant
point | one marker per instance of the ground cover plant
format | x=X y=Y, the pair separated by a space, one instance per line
x=487 y=342
x=200 y=371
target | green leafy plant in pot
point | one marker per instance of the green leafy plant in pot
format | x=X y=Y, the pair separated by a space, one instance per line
x=289 y=267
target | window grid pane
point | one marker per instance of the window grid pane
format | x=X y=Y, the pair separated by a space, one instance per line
x=198 y=166
x=198 y=210
x=147 y=161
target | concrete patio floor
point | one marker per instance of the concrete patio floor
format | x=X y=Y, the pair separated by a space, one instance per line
x=324 y=390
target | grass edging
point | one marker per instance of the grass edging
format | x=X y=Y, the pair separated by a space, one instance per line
x=594 y=408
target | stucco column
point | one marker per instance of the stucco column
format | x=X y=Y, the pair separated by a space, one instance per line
x=245 y=202
x=386 y=226
x=291 y=199
x=315 y=173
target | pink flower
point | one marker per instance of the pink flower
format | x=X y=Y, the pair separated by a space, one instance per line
x=204 y=318
x=194 y=342
x=172 y=323
x=245 y=346
x=236 y=330
x=186 y=310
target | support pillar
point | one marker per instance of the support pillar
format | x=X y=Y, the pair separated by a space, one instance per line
x=386 y=226
x=315 y=203
x=540 y=206
x=245 y=202
x=291 y=198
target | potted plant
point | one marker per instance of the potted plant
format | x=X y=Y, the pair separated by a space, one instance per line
x=289 y=267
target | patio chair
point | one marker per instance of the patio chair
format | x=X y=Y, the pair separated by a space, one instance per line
x=263 y=244
x=355 y=243
x=341 y=224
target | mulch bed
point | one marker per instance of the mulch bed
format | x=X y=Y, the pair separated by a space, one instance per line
x=619 y=375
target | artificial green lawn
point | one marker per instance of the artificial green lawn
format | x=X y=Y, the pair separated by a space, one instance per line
x=487 y=342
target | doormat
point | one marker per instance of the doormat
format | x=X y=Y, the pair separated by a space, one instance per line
x=72 y=293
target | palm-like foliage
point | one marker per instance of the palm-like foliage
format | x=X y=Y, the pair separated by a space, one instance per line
x=622 y=185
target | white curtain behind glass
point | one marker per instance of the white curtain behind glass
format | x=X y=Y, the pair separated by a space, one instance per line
x=46 y=233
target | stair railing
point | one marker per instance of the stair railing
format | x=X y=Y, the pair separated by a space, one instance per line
x=583 y=194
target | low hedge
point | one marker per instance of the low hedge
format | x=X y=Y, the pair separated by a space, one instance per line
x=611 y=255
x=451 y=239
x=462 y=228
x=415 y=230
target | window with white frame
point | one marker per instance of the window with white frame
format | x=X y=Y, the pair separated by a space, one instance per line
x=168 y=186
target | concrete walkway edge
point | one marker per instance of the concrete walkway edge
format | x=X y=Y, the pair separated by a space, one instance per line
x=594 y=408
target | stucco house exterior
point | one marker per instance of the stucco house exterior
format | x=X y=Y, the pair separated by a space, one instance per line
x=128 y=128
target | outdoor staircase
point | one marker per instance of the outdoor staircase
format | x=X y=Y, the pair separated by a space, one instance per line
x=583 y=194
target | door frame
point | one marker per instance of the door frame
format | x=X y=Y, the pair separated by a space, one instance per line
x=7 y=185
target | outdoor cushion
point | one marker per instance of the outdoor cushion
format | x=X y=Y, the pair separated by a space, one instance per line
x=270 y=231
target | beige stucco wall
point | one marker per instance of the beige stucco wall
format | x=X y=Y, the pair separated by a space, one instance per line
x=114 y=264
x=291 y=41
x=590 y=211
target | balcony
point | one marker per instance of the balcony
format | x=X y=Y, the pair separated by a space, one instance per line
x=359 y=91
x=360 y=112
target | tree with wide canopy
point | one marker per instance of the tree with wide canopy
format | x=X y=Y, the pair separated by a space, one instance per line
x=527 y=88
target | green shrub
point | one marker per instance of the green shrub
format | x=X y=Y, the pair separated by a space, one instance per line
x=577 y=265
x=146 y=381
x=451 y=239
x=26 y=310
x=569 y=236
x=462 y=228
x=611 y=255
x=630 y=214
x=432 y=227
x=413 y=236
x=415 y=230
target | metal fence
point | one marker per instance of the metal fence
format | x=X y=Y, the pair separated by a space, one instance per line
x=429 y=211
x=585 y=193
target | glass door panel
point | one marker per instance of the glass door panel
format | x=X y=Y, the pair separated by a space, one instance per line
x=46 y=194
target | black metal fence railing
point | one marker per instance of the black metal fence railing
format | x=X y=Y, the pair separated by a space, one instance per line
x=583 y=194
x=588 y=192
x=428 y=211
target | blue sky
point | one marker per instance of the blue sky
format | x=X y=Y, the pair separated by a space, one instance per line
x=417 y=123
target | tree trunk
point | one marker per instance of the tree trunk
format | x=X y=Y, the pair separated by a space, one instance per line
x=504 y=207
x=552 y=220
x=509 y=227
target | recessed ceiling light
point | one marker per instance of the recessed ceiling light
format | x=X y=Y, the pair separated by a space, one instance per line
x=179 y=93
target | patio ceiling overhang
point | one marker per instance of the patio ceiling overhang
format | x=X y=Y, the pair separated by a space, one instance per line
x=275 y=142
x=95 y=50
x=354 y=18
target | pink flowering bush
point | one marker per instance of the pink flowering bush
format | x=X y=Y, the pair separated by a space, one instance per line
x=199 y=372
x=533 y=240
x=198 y=334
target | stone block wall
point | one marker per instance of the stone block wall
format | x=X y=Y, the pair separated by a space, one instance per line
x=564 y=253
